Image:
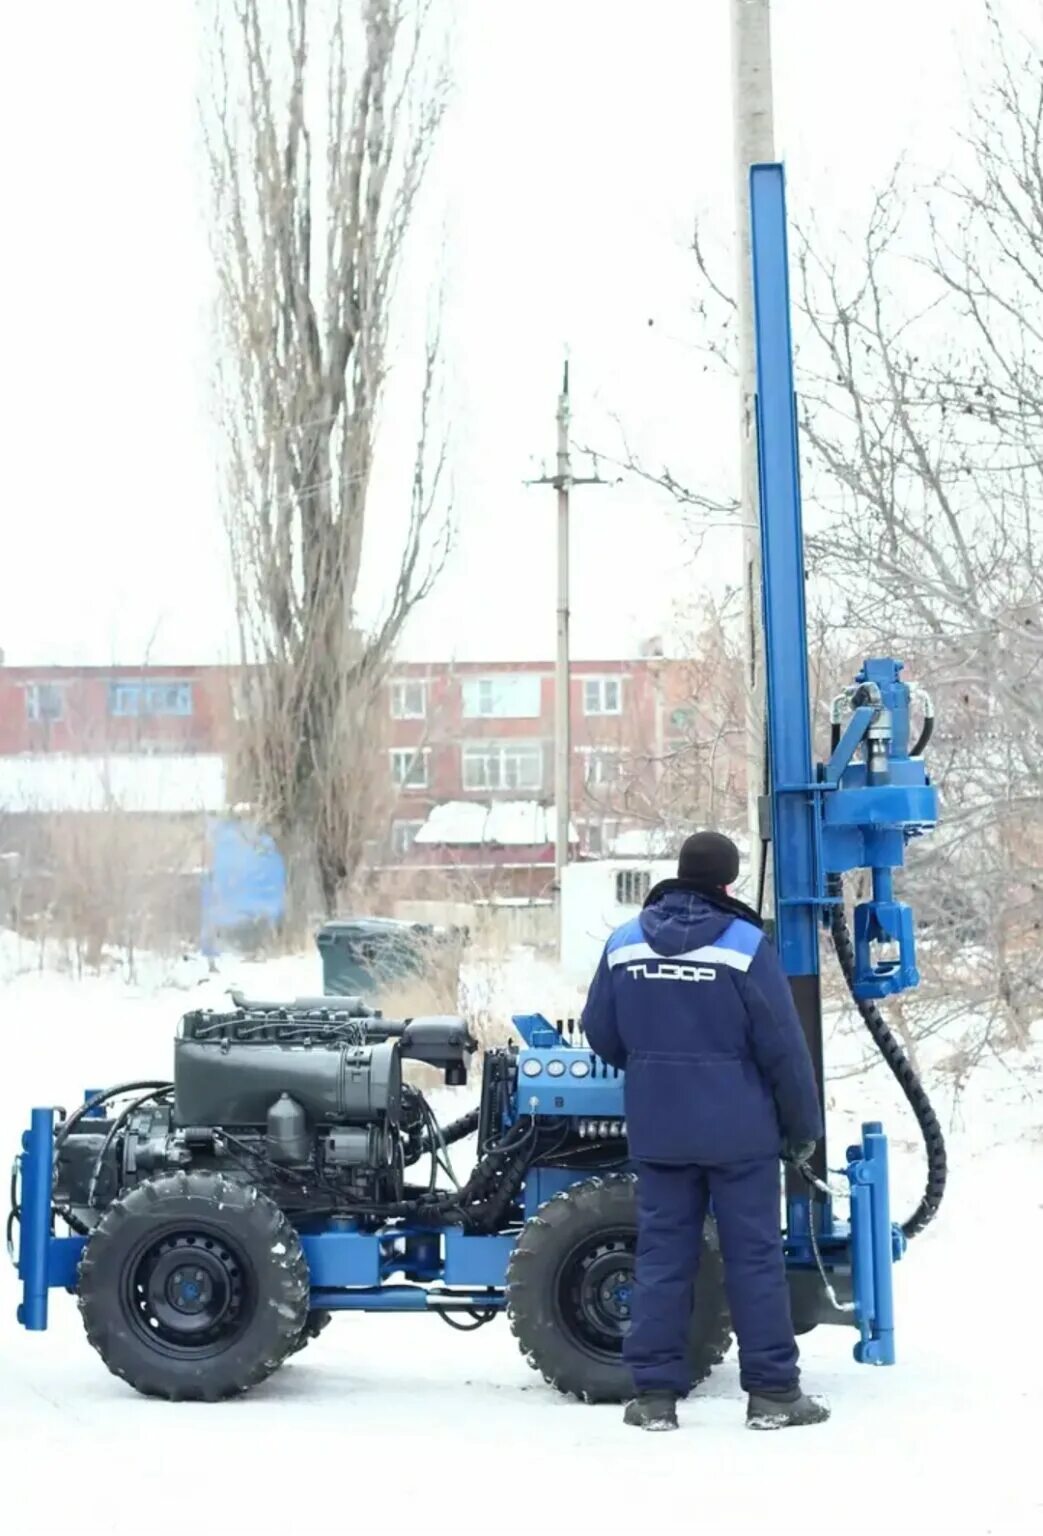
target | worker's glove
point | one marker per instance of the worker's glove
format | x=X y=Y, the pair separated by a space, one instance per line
x=798 y=1152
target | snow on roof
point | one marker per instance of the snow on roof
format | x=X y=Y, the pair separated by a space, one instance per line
x=46 y=783
x=645 y=843
x=508 y=823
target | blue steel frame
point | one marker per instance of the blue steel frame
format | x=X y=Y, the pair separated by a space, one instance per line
x=848 y=813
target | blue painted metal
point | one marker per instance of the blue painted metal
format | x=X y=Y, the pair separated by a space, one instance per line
x=874 y=1247
x=37 y=1164
x=408 y=1298
x=535 y=1030
x=555 y=1090
x=338 y=1257
x=795 y=823
x=63 y=1262
x=476 y=1260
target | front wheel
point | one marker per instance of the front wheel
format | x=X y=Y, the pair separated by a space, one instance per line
x=193 y=1287
x=568 y=1291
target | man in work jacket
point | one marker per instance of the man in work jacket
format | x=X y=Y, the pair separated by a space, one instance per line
x=691 y=1000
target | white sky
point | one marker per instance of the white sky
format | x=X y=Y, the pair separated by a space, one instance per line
x=585 y=135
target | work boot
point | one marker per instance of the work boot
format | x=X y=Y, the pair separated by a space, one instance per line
x=652 y=1410
x=784 y=1410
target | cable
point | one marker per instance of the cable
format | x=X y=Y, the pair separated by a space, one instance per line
x=926 y=732
x=97 y=1099
x=479 y=1319
x=762 y=877
x=901 y=1068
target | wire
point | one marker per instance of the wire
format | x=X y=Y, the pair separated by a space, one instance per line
x=762 y=875
x=479 y=1319
x=97 y=1099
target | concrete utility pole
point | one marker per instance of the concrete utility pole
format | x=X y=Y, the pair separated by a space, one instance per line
x=563 y=480
x=754 y=143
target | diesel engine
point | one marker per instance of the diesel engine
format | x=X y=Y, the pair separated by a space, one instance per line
x=306 y=1101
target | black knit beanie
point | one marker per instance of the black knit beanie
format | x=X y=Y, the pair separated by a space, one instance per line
x=709 y=861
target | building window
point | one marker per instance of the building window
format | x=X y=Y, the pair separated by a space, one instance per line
x=602 y=696
x=409 y=768
x=129 y=700
x=510 y=765
x=506 y=697
x=44 y=702
x=597 y=837
x=632 y=886
x=403 y=836
x=408 y=700
x=602 y=765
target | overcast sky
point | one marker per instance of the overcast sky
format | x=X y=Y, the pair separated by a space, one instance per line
x=585 y=136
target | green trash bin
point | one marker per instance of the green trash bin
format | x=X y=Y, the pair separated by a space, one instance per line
x=362 y=955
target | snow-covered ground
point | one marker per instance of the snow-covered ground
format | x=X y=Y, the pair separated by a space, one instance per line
x=403 y=1423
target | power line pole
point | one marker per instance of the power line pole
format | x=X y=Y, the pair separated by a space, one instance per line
x=563 y=480
x=754 y=143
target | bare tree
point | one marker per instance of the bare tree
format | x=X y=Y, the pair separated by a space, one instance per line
x=922 y=404
x=319 y=146
x=921 y=393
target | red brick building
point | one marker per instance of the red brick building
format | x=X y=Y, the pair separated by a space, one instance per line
x=462 y=734
x=115 y=709
x=485 y=731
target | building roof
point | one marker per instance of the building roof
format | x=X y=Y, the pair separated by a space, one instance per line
x=157 y=783
x=507 y=823
x=646 y=843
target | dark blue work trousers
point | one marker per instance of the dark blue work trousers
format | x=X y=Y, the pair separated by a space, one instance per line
x=672 y=1203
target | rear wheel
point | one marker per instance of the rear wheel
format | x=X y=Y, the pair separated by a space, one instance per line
x=568 y=1291
x=193 y=1287
x=315 y=1323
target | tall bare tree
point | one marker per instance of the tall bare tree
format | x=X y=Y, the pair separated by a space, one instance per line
x=921 y=391
x=922 y=398
x=320 y=135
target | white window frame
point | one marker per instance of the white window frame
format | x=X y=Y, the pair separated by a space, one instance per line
x=33 y=712
x=399 y=694
x=401 y=841
x=414 y=757
x=594 y=758
x=601 y=686
x=484 y=752
x=603 y=832
x=478 y=696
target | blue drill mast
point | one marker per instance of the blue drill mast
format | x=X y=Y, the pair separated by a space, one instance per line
x=856 y=810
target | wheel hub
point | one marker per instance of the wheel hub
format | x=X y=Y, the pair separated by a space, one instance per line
x=187 y=1290
x=594 y=1293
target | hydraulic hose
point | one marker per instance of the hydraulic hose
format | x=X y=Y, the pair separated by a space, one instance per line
x=926 y=732
x=900 y=1066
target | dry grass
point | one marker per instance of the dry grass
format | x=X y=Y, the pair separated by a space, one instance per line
x=110 y=882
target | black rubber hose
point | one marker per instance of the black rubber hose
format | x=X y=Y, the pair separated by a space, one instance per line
x=456 y=1130
x=95 y=1101
x=926 y=732
x=901 y=1067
